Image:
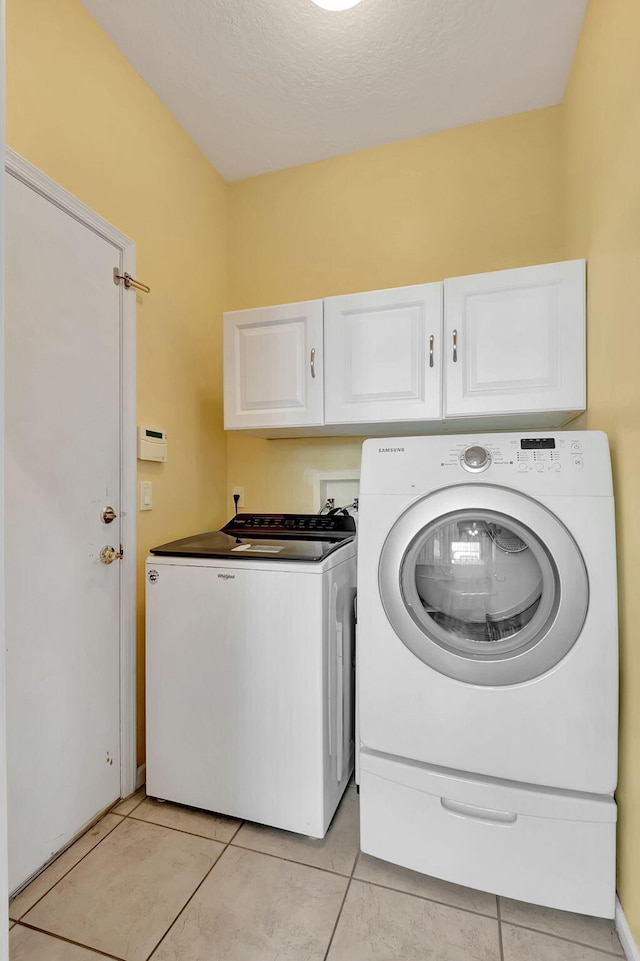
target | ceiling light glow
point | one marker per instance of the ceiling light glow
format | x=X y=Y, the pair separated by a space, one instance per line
x=336 y=4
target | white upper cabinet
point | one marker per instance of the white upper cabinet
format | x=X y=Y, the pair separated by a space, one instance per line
x=383 y=355
x=514 y=341
x=499 y=350
x=273 y=367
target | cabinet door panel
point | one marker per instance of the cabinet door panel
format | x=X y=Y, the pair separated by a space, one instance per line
x=273 y=366
x=383 y=355
x=515 y=340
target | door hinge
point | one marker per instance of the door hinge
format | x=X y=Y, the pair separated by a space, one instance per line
x=129 y=281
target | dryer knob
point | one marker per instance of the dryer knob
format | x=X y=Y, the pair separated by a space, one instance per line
x=476 y=458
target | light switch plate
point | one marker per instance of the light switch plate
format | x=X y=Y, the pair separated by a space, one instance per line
x=146 y=496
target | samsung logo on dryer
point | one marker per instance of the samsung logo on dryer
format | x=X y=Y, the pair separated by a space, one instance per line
x=391 y=450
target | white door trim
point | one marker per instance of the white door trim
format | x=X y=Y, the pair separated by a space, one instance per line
x=125 y=259
x=4 y=859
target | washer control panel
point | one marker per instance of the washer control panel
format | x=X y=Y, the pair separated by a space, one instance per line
x=536 y=455
x=475 y=458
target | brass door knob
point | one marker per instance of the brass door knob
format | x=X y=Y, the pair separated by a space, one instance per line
x=109 y=554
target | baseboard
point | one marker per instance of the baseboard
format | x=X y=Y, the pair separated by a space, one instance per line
x=141 y=776
x=629 y=946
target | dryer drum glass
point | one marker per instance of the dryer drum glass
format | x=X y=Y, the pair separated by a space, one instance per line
x=477 y=584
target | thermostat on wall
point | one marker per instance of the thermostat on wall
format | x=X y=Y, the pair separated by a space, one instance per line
x=152 y=444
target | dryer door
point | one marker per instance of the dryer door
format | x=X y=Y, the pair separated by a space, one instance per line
x=484 y=585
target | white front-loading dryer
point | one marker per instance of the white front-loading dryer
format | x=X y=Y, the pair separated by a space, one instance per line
x=487 y=633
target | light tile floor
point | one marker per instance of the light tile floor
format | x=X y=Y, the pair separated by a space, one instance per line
x=168 y=883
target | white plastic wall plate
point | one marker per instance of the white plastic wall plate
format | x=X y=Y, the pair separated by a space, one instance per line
x=341 y=485
x=146 y=496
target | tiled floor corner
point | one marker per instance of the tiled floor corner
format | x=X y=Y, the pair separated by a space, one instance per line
x=592 y=932
x=61 y=866
x=162 y=882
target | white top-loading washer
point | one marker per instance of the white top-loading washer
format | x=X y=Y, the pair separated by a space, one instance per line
x=249 y=669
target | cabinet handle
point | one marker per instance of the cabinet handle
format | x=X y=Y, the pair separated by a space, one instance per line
x=312 y=361
x=431 y=342
x=455 y=346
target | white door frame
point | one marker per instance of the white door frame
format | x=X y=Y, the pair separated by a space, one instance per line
x=124 y=257
x=4 y=878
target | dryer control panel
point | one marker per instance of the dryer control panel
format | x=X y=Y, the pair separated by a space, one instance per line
x=547 y=453
x=559 y=462
x=538 y=454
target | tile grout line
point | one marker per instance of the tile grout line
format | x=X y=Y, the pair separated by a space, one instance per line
x=500 y=944
x=192 y=834
x=135 y=808
x=193 y=894
x=422 y=897
x=560 y=937
x=62 y=877
x=304 y=864
x=346 y=891
x=63 y=940
x=337 y=921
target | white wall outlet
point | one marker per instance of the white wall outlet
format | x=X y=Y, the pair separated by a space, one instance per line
x=145 y=496
x=240 y=491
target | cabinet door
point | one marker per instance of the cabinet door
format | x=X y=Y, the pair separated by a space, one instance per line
x=273 y=366
x=383 y=355
x=515 y=340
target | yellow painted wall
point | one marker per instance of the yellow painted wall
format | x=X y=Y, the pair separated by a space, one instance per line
x=525 y=189
x=478 y=198
x=601 y=127
x=78 y=111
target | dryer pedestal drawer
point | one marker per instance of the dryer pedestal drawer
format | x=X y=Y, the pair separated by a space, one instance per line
x=548 y=847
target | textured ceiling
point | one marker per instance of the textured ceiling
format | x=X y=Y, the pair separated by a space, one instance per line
x=266 y=84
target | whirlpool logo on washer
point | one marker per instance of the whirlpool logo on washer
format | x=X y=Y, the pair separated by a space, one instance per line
x=391 y=450
x=227 y=577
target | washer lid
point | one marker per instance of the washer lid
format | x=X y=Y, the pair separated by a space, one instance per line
x=483 y=584
x=284 y=537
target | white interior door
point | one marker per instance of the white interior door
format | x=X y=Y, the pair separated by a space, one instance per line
x=62 y=313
